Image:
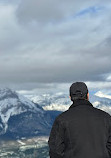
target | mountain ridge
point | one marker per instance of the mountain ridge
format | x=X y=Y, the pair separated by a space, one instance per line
x=17 y=111
x=61 y=101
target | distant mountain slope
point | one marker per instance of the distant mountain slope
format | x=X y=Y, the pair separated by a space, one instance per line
x=20 y=117
x=61 y=101
x=57 y=101
x=33 y=115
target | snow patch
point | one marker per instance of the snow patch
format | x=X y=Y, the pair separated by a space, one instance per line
x=20 y=142
x=101 y=95
x=56 y=107
x=96 y=103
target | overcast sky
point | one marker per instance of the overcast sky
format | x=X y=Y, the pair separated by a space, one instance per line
x=45 y=43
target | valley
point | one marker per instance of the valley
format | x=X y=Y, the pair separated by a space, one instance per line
x=35 y=147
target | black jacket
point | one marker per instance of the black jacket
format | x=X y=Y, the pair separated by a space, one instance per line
x=82 y=131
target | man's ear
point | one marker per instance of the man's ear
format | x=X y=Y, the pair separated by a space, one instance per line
x=88 y=96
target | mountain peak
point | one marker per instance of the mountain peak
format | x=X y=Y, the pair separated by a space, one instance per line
x=7 y=92
x=13 y=103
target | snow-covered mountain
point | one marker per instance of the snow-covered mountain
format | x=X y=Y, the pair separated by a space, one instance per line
x=20 y=116
x=101 y=101
x=57 y=101
x=33 y=115
x=61 y=101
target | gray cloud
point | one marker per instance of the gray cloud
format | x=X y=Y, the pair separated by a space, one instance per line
x=45 y=42
x=51 y=11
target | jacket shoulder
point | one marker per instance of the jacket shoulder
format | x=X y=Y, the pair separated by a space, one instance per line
x=102 y=112
x=62 y=116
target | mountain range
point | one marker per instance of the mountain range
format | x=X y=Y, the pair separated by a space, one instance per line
x=61 y=101
x=33 y=115
x=20 y=117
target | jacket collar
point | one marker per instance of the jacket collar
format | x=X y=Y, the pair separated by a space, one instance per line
x=80 y=102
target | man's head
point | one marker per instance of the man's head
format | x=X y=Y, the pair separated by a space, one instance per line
x=78 y=90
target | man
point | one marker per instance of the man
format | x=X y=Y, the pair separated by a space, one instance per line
x=82 y=131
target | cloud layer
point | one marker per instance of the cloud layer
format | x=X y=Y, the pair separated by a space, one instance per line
x=48 y=41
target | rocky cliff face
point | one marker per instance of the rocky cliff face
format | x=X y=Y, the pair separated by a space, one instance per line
x=20 y=117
